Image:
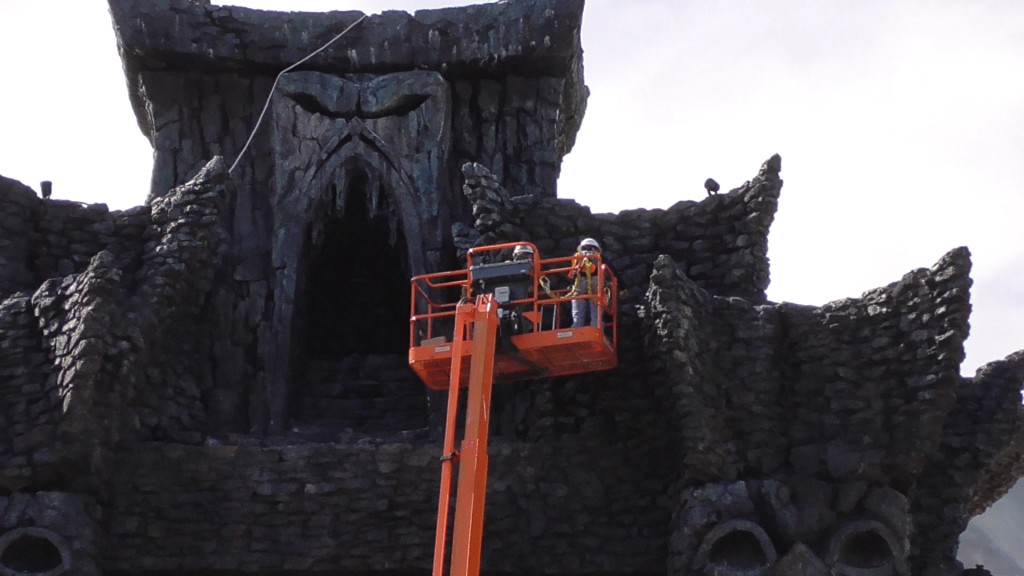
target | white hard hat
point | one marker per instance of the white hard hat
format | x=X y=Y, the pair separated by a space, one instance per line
x=589 y=242
x=522 y=249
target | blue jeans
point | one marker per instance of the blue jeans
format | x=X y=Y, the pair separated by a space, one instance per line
x=584 y=313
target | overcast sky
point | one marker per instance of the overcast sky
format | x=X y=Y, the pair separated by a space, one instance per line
x=900 y=126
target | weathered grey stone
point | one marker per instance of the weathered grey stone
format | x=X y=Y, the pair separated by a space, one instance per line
x=197 y=374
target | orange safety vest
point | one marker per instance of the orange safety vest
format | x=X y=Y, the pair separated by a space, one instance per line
x=585 y=267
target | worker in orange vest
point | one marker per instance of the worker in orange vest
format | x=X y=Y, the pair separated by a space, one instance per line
x=584 y=271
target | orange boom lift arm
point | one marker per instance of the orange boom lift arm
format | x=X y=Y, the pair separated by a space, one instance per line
x=481 y=320
x=511 y=297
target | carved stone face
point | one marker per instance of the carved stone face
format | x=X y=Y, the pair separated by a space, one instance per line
x=801 y=527
x=355 y=203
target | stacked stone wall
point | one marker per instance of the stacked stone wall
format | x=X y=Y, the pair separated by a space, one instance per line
x=18 y=212
x=46 y=254
x=78 y=315
x=184 y=251
x=147 y=359
x=718 y=395
x=827 y=402
x=679 y=322
x=725 y=409
x=978 y=462
x=30 y=406
x=51 y=533
x=86 y=377
x=849 y=365
x=42 y=239
x=369 y=506
x=725 y=258
x=722 y=242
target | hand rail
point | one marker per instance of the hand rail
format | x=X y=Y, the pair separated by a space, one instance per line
x=435 y=297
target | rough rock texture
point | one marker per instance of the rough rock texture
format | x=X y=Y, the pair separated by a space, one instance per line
x=217 y=382
x=979 y=460
x=833 y=403
x=374 y=129
x=50 y=533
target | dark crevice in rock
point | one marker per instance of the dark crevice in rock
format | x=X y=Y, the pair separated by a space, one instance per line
x=400 y=107
x=353 y=335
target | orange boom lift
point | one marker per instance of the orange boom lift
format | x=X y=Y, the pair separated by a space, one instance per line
x=504 y=321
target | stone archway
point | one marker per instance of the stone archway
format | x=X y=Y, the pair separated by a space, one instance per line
x=738 y=547
x=357 y=278
x=34 y=551
x=351 y=318
x=355 y=203
x=867 y=548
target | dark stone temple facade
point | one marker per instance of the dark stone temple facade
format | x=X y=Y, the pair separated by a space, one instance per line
x=216 y=382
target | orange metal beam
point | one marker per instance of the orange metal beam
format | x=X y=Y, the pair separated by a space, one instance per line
x=463 y=318
x=472 y=491
x=541 y=352
x=472 y=459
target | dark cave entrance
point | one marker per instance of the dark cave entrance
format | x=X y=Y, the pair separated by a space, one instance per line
x=354 y=372
x=358 y=287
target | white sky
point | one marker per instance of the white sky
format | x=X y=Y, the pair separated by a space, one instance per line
x=900 y=126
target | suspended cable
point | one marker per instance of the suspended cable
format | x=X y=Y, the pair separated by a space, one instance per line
x=274 y=87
